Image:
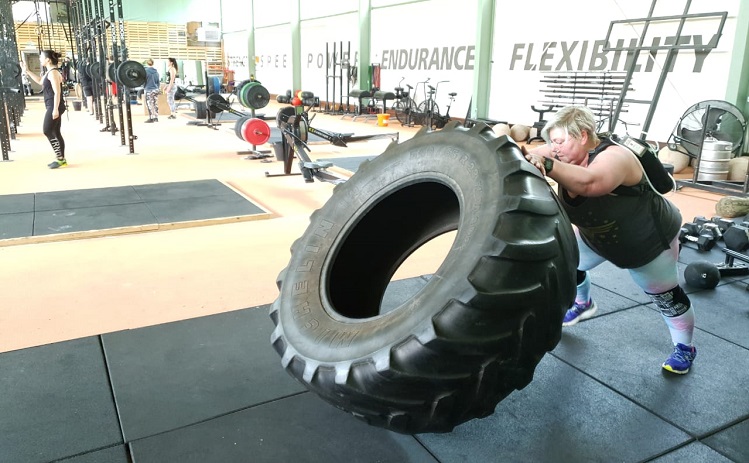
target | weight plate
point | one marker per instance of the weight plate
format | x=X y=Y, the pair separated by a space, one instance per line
x=131 y=73
x=216 y=103
x=98 y=70
x=302 y=134
x=200 y=110
x=112 y=72
x=238 y=87
x=238 y=126
x=256 y=131
x=242 y=94
x=254 y=96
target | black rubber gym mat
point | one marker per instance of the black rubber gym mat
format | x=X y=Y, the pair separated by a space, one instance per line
x=562 y=415
x=700 y=403
x=301 y=428
x=56 y=402
x=177 y=374
x=212 y=389
x=116 y=454
x=50 y=213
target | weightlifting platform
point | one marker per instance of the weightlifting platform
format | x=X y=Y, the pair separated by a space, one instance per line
x=54 y=216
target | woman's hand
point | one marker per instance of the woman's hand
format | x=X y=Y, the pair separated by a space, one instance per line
x=55 y=113
x=537 y=161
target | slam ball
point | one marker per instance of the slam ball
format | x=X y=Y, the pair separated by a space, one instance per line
x=702 y=274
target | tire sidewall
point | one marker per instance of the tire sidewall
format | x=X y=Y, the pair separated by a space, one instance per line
x=465 y=164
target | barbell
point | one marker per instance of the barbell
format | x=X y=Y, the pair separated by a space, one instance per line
x=131 y=74
x=252 y=130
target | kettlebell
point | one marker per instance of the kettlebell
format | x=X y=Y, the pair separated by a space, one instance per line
x=702 y=274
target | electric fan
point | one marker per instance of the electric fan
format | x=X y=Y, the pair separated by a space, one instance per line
x=715 y=119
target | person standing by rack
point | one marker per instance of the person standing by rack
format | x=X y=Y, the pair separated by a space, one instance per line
x=51 y=82
x=171 y=87
x=152 y=90
x=87 y=86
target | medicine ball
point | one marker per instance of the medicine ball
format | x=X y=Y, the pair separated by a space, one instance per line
x=520 y=132
x=501 y=129
x=702 y=274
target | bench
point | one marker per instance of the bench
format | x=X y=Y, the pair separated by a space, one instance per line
x=384 y=96
x=360 y=95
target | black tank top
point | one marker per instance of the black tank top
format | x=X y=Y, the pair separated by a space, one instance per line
x=49 y=92
x=629 y=227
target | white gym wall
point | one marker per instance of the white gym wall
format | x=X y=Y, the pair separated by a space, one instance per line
x=574 y=43
x=436 y=39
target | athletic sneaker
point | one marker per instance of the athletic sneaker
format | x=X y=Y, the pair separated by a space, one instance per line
x=172 y=116
x=579 y=312
x=57 y=164
x=680 y=359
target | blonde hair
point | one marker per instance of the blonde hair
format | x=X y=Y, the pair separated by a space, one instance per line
x=574 y=120
x=149 y=62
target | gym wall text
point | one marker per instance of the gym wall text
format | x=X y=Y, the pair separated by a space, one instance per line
x=579 y=55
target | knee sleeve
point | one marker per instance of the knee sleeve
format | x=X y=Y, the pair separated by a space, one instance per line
x=672 y=303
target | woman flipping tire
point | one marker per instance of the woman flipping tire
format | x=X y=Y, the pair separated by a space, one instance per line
x=477 y=329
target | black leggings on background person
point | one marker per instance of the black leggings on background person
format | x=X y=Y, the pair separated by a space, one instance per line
x=51 y=129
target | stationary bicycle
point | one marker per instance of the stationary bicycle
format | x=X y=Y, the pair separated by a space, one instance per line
x=441 y=120
x=404 y=105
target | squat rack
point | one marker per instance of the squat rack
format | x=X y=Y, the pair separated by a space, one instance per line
x=671 y=48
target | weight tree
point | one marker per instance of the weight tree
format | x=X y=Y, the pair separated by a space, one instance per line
x=334 y=70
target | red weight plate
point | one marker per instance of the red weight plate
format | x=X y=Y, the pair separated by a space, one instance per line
x=256 y=131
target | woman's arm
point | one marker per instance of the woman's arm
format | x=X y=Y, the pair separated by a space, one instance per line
x=172 y=76
x=55 y=78
x=33 y=76
x=611 y=168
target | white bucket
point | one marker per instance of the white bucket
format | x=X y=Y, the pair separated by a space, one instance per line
x=714 y=160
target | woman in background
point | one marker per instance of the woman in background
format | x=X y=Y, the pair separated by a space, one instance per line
x=51 y=82
x=171 y=87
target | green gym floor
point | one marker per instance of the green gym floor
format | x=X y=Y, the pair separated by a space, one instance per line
x=134 y=294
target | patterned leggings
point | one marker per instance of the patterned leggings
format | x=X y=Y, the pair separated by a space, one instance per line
x=657 y=277
x=152 y=101
x=170 y=99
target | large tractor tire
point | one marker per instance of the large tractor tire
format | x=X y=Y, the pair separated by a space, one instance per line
x=477 y=329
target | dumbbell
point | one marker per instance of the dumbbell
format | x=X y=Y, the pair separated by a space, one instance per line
x=736 y=238
x=691 y=233
x=700 y=221
x=713 y=229
x=723 y=224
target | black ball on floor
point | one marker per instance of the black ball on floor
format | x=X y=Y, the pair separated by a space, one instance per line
x=702 y=274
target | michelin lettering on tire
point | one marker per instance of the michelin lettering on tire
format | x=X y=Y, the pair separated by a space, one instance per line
x=476 y=331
